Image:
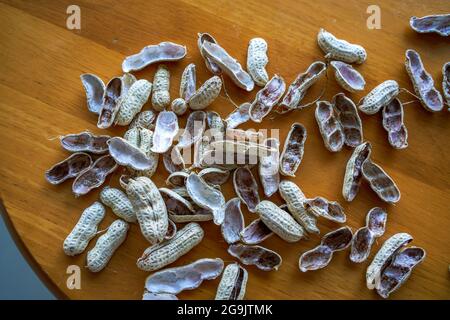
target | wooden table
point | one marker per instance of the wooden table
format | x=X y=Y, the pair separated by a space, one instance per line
x=42 y=98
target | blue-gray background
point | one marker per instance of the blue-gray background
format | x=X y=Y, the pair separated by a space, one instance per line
x=17 y=279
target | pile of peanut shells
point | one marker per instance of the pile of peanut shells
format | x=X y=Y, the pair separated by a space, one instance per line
x=223 y=152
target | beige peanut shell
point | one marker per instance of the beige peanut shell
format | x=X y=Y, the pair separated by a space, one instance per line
x=353 y=171
x=85 y=229
x=206 y=94
x=337 y=49
x=119 y=203
x=233 y=283
x=99 y=256
x=161 y=86
x=179 y=106
x=149 y=208
x=163 y=254
x=279 y=221
x=380 y=96
x=133 y=102
x=257 y=60
x=294 y=198
x=389 y=248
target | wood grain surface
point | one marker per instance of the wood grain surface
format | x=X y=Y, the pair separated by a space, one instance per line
x=41 y=97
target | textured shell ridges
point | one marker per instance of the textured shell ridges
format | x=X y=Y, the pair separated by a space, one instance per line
x=162 y=254
x=294 y=198
x=390 y=246
x=228 y=282
x=149 y=207
x=106 y=245
x=85 y=229
x=257 y=60
x=133 y=102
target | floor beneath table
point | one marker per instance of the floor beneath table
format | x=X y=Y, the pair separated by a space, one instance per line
x=18 y=281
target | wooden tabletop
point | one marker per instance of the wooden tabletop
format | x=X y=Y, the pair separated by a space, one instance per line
x=41 y=97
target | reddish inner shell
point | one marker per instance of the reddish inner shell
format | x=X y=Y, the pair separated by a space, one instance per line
x=338 y=239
